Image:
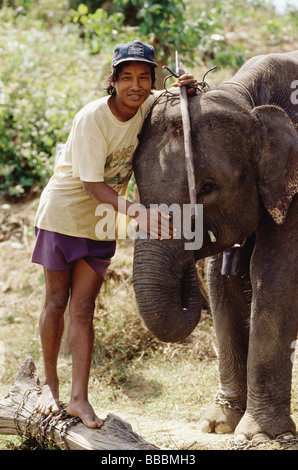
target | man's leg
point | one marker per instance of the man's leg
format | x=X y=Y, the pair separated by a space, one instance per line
x=85 y=287
x=51 y=325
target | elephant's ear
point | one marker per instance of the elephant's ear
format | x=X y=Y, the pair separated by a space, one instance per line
x=278 y=164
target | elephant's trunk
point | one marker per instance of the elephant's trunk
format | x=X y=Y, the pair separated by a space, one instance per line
x=166 y=289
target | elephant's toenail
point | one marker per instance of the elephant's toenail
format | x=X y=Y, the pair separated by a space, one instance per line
x=240 y=439
x=206 y=427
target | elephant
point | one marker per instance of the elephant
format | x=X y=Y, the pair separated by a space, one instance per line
x=245 y=149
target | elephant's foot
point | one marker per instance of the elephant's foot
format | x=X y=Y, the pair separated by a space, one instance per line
x=258 y=428
x=220 y=418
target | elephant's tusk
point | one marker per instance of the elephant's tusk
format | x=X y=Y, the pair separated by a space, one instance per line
x=211 y=236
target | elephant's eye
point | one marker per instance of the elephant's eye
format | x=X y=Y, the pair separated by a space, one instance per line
x=207 y=187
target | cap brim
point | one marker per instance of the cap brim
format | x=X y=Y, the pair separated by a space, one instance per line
x=134 y=59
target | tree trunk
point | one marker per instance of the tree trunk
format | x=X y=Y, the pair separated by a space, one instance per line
x=17 y=416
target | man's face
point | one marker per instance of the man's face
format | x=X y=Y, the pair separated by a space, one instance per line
x=133 y=85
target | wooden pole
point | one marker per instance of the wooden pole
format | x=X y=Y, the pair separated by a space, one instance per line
x=17 y=416
x=187 y=142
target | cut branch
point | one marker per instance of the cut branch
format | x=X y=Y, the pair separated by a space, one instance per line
x=17 y=416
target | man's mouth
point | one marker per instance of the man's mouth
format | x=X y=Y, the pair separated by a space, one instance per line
x=135 y=97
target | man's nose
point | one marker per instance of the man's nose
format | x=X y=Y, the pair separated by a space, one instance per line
x=135 y=84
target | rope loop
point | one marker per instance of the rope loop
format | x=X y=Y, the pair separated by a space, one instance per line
x=199 y=86
x=45 y=424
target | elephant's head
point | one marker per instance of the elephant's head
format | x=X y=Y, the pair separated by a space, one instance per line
x=244 y=161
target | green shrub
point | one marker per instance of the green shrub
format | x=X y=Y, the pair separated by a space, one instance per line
x=47 y=77
x=50 y=65
x=102 y=31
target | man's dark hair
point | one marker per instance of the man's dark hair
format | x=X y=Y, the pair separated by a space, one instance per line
x=115 y=72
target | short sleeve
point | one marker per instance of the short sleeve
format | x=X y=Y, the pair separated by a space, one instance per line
x=89 y=147
x=89 y=156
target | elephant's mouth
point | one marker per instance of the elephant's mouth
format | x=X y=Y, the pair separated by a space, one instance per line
x=215 y=242
x=212 y=242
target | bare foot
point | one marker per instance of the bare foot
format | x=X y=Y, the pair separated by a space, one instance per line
x=84 y=410
x=48 y=401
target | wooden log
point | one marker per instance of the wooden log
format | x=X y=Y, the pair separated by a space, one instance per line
x=17 y=416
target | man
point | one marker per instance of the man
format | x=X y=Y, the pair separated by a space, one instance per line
x=94 y=168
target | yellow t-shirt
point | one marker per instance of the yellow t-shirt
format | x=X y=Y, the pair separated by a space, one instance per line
x=99 y=148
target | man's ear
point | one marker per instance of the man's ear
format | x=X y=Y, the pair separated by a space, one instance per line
x=278 y=165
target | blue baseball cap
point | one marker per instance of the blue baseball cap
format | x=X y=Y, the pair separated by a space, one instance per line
x=136 y=51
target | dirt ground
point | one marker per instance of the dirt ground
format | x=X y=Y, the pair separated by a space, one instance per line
x=16 y=274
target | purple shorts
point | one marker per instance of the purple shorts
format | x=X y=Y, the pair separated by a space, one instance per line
x=58 y=252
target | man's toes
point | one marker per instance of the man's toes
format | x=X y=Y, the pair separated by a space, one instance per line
x=55 y=408
x=47 y=409
x=99 y=422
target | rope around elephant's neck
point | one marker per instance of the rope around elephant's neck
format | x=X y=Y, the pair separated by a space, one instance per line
x=244 y=88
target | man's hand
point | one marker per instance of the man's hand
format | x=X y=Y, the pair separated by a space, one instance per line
x=186 y=80
x=155 y=223
x=152 y=221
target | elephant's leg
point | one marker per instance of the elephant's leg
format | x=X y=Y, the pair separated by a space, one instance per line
x=272 y=333
x=230 y=299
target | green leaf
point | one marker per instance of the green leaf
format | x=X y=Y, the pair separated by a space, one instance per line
x=156 y=8
x=82 y=9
